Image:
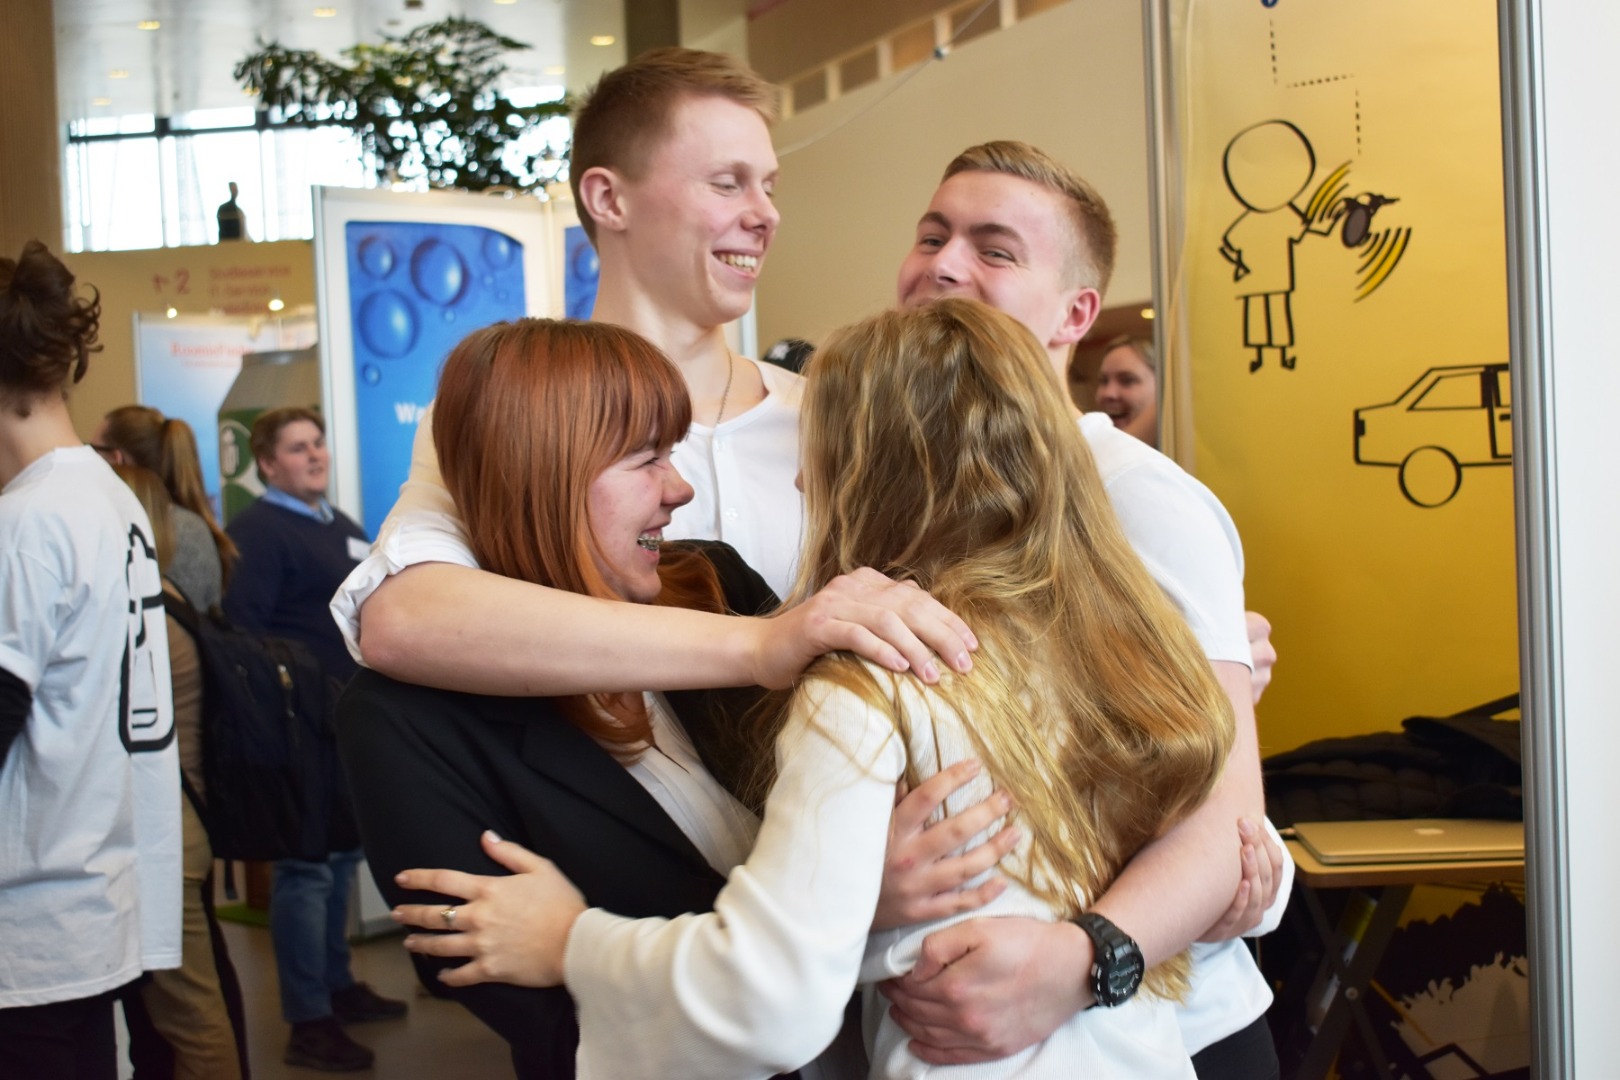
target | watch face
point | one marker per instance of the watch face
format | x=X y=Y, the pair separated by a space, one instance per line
x=1119 y=980
x=1117 y=966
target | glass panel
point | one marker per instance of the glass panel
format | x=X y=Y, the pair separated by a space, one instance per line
x=113 y=195
x=1452 y=392
x=203 y=119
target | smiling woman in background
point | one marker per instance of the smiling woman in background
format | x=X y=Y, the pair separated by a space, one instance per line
x=1128 y=387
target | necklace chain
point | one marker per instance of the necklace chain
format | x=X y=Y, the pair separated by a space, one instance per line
x=731 y=369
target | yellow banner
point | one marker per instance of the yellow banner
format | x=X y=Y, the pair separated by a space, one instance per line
x=1342 y=287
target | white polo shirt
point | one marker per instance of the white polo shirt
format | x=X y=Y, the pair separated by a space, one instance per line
x=1191 y=547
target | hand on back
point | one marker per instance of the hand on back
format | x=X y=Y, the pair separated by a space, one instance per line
x=893 y=624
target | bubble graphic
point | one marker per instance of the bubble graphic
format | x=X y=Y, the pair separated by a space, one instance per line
x=449 y=315
x=499 y=250
x=587 y=267
x=438 y=272
x=500 y=294
x=376 y=257
x=371 y=373
x=386 y=324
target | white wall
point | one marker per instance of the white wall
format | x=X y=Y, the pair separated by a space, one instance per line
x=1068 y=80
x=1575 y=579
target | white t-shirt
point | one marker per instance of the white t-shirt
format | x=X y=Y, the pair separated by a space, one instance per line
x=1191 y=547
x=1180 y=531
x=741 y=474
x=90 y=880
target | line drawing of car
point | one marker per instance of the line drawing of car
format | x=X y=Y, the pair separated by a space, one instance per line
x=1450 y=419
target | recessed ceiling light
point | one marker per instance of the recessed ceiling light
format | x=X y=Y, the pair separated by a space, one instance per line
x=101 y=101
x=556 y=69
x=602 y=39
x=325 y=12
x=148 y=24
x=506 y=1
x=1147 y=313
x=275 y=304
x=117 y=73
x=171 y=312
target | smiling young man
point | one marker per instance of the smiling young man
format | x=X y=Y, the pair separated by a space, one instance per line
x=1016 y=229
x=672 y=170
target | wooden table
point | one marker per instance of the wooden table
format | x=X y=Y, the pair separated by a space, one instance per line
x=1391 y=885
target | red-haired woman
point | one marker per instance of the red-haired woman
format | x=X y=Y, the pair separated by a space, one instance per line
x=554 y=439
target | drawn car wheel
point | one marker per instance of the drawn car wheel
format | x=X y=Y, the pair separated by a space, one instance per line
x=1430 y=476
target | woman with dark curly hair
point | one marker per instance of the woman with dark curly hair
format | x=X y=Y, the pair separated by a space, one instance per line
x=89 y=777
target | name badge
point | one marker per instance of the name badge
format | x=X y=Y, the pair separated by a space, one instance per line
x=358 y=548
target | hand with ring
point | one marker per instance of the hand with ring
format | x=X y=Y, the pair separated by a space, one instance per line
x=513 y=929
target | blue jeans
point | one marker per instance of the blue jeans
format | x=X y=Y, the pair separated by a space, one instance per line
x=309 y=917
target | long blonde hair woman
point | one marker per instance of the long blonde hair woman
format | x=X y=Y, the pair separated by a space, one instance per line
x=939 y=450
x=937 y=447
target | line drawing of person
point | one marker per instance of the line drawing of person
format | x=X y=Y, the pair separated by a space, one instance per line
x=1267 y=166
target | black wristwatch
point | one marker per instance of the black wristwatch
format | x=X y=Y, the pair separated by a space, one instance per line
x=1116 y=963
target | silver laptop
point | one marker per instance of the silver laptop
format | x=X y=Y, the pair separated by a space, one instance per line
x=1414 y=840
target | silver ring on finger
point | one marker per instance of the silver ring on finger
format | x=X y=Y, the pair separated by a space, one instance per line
x=449 y=917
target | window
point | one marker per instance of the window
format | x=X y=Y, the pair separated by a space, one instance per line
x=1452 y=392
x=147 y=182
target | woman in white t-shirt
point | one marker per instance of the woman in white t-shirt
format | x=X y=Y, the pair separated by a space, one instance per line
x=937 y=448
x=89 y=778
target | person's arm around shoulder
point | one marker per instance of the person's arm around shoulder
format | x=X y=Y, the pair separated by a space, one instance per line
x=419 y=609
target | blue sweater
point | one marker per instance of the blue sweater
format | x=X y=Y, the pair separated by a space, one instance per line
x=291 y=565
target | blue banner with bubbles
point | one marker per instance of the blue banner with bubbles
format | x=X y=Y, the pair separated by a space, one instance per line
x=415 y=290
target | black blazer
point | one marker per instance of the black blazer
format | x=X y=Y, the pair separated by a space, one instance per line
x=431 y=769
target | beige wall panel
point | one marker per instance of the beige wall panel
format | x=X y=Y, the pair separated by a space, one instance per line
x=233 y=279
x=30 y=146
x=1068 y=80
x=786 y=38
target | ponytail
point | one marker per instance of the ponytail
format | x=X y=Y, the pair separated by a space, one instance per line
x=168 y=447
x=181 y=470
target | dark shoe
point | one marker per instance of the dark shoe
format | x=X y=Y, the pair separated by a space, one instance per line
x=323 y=1044
x=359 y=1004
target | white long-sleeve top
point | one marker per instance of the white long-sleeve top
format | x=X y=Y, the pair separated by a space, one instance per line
x=759 y=985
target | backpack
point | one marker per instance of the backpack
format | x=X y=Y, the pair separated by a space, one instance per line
x=267 y=741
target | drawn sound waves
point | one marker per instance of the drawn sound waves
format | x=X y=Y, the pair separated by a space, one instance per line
x=1327 y=194
x=1383 y=253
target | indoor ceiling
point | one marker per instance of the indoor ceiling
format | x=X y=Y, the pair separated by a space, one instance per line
x=107 y=65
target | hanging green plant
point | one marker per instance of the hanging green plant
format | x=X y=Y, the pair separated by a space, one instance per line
x=422 y=103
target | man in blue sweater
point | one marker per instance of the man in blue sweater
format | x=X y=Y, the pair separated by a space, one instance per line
x=296 y=549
